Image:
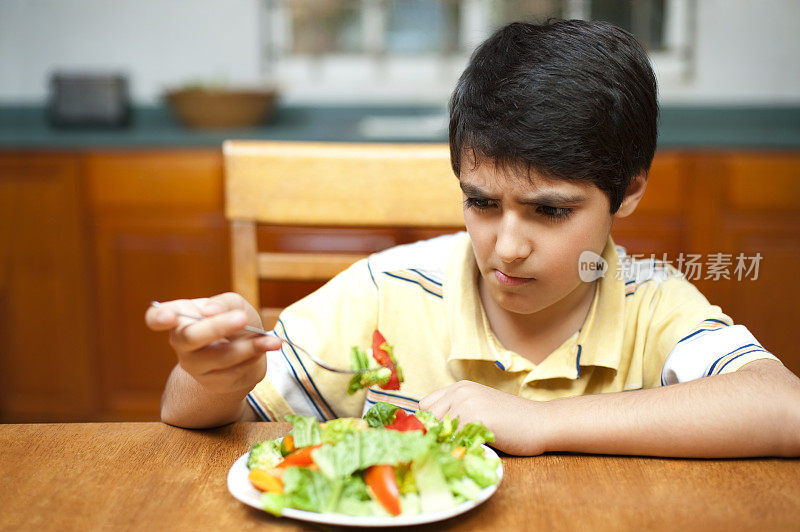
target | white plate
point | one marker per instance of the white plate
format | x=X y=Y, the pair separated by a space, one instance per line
x=240 y=487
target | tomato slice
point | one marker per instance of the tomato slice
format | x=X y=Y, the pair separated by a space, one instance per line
x=383 y=358
x=380 y=480
x=299 y=458
x=378 y=353
x=403 y=422
x=399 y=416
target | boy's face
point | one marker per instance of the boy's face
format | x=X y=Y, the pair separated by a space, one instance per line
x=528 y=235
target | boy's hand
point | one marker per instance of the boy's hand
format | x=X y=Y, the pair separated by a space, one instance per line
x=217 y=352
x=512 y=419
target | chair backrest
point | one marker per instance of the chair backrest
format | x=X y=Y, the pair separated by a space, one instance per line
x=328 y=184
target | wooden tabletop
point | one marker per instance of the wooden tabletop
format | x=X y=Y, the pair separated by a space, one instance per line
x=150 y=476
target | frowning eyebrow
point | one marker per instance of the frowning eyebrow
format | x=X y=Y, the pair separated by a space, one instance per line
x=544 y=198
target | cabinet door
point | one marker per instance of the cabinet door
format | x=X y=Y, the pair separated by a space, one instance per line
x=160 y=234
x=658 y=226
x=46 y=371
x=760 y=221
x=739 y=213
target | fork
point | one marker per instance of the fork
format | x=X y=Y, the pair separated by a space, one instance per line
x=256 y=330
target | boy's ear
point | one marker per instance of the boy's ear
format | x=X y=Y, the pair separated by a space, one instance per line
x=632 y=196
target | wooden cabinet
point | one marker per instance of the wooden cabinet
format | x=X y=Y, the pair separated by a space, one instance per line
x=88 y=239
x=729 y=208
x=47 y=365
x=759 y=216
x=659 y=223
x=158 y=234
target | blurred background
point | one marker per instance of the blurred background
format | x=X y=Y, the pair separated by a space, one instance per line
x=112 y=115
x=356 y=51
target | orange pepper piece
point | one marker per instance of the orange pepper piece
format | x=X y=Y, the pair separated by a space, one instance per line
x=459 y=452
x=263 y=480
x=288 y=442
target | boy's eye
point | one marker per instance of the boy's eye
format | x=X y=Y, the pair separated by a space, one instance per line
x=554 y=213
x=478 y=203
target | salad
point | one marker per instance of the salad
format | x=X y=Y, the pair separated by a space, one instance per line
x=388 y=463
x=381 y=370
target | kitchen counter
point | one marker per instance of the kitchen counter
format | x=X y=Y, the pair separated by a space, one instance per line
x=24 y=127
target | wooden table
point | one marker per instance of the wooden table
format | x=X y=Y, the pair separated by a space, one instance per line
x=150 y=476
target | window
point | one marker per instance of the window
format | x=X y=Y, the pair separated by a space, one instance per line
x=412 y=51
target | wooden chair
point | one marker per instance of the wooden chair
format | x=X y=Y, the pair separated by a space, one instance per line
x=328 y=184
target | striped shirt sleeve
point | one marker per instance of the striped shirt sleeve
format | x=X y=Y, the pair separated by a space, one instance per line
x=688 y=338
x=712 y=349
x=289 y=387
x=338 y=316
x=403 y=399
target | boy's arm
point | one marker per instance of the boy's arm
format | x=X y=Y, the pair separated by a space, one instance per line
x=751 y=412
x=185 y=403
x=218 y=362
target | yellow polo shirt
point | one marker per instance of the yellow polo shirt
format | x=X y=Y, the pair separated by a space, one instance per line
x=647 y=326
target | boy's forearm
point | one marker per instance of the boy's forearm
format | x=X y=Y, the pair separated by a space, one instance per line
x=187 y=404
x=722 y=416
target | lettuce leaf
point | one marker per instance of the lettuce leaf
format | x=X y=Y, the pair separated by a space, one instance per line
x=367 y=378
x=336 y=429
x=358 y=359
x=380 y=415
x=472 y=436
x=482 y=470
x=409 y=502
x=274 y=503
x=405 y=479
x=465 y=488
x=452 y=467
x=368 y=374
x=305 y=430
x=441 y=429
x=354 y=498
x=434 y=493
x=308 y=490
x=359 y=450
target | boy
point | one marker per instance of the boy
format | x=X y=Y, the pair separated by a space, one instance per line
x=552 y=132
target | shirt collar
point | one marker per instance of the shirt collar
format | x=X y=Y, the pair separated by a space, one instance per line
x=602 y=334
x=597 y=343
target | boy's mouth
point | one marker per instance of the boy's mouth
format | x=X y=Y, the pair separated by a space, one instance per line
x=508 y=280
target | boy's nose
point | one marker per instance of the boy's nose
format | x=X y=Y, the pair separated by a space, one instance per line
x=511 y=244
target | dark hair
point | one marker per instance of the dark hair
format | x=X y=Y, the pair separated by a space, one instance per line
x=570 y=99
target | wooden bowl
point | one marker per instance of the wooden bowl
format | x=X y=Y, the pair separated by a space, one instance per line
x=205 y=108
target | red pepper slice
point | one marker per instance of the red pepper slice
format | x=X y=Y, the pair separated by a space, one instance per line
x=382 y=357
x=403 y=422
x=299 y=458
x=380 y=480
